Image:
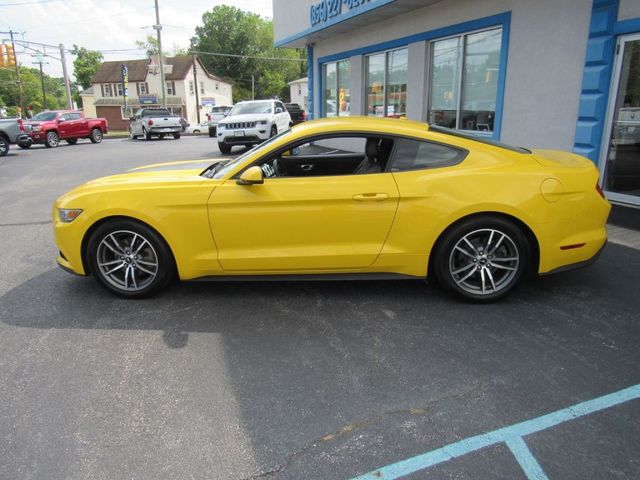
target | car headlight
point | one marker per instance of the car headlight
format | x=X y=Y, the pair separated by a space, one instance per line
x=263 y=122
x=68 y=215
x=221 y=126
x=36 y=128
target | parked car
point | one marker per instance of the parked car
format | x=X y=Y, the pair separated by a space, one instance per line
x=297 y=114
x=50 y=127
x=12 y=131
x=154 y=122
x=352 y=197
x=217 y=114
x=252 y=122
x=197 y=128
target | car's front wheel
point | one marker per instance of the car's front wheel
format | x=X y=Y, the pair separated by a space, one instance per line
x=224 y=148
x=51 y=140
x=4 y=147
x=130 y=259
x=482 y=259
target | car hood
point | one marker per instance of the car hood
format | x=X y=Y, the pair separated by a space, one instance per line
x=249 y=117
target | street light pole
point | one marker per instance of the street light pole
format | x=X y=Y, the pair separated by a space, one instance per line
x=39 y=61
x=13 y=45
x=65 y=74
x=158 y=28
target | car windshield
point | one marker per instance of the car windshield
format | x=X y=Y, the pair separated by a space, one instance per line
x=251 y=107
x=477 y=138
x=45 y=116
x=219 y=170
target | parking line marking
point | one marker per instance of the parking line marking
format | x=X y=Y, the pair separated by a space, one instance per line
x=511 y=435
x=525 y=458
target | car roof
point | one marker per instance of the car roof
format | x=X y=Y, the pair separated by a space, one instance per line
x=364 y=123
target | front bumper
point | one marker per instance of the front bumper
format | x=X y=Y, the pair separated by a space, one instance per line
x=37 y=137
x=246 y=136
x=24 y=139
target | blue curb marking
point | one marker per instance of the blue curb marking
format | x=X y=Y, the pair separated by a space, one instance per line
x=511 y=435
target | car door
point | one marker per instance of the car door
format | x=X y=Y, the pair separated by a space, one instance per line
x=80 y=125
x=311 y=223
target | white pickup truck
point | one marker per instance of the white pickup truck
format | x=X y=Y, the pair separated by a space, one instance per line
x=252 y=122
x=154 y=122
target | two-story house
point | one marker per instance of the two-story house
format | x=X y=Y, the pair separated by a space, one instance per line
x=186 y=92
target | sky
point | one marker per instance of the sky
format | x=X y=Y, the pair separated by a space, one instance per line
x=112 y=25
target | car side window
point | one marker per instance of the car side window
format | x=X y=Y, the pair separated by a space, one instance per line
x=74 y=116
x=328 y=156
x=63 y=118
x=420 y=155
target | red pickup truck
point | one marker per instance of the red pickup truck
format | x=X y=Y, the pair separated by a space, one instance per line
x=50 y=127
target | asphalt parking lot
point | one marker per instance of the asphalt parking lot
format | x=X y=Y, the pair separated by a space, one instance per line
x=298 y=380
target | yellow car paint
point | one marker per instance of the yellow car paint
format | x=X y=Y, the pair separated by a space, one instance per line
x=375 y=223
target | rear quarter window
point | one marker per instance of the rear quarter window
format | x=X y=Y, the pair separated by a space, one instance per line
x=420 y=155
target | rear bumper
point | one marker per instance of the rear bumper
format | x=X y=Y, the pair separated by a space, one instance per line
x=164 y=130
x=577 y=265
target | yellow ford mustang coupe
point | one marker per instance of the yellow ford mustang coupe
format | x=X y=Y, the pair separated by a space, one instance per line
x=343 y=198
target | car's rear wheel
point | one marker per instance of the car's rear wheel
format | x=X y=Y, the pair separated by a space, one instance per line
x=274 y=131
x=176 y=136
x=482 y=259
x=212 y=133
x=147 y=135
x=51 y=140
x=4 y=147
x=132 y=136
x=224 y=148
x=96 y=135
x=72 y=141
x=130 y=259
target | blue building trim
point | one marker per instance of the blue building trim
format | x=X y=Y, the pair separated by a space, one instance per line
x=310 y=102
x=361 y=10
x=501 y=19
x=627 y=26
x=596 y=80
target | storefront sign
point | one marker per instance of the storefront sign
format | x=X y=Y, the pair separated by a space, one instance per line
x=208 y=101
x=125 y=84
x=148 y=99
x=327 y=9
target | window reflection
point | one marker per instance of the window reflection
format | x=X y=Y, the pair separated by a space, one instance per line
x=375 y=84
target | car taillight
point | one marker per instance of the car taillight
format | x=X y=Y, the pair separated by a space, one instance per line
x=304 y=115
x=150 y=122
x=21 y=125
x=599 y=190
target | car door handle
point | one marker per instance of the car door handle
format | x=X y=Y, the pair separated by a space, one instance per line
x=370 y=197
x=307 y=167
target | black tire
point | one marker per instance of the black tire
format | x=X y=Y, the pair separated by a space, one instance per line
x=224 y=148
x=51 y=139
x=119 y=281
x=96 y=135
x=72 y=141
x=176 y=136
x=212 y=132
x=274 y=131
x=25 y=145
x=4 y=147
x=146 y=135
x=482 y=259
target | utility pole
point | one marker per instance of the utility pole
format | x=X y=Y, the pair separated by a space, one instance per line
x=20 y=88
x=67 y=85
x=39 y=61
x=195 y=86
x=157 y=27
x=253 y=87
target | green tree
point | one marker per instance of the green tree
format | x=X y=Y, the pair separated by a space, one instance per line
x=149 y=45
x=32 y=89
x=229 y=30
x=85 y=65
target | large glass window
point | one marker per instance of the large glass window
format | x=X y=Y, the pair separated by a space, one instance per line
x=463 y=87
x=337 y=88
x=387 y=84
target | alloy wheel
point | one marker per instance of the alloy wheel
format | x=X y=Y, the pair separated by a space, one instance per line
x=127 y=260
x=484 y=262
x=52 y=139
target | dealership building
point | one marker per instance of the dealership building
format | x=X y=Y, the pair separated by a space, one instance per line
x=560 y=74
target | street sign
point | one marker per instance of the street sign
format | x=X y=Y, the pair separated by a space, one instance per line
x=208 y=101
x=125 y=84
x=148 y=99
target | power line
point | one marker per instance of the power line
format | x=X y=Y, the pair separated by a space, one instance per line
x=247 y=56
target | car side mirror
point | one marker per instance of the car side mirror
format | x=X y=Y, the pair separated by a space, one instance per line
x=251 y=176
x=278 y=110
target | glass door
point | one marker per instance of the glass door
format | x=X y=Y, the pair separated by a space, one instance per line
x=621 y=153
